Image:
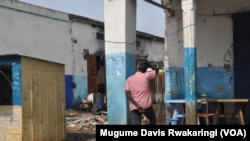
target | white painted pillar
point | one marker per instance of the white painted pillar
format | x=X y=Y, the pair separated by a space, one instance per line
x=189 y=37
x=120 y=37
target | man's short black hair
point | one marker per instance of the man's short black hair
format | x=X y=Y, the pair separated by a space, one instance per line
x=143 y=67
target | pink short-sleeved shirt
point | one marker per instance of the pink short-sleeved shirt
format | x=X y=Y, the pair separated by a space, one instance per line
x=138 y=85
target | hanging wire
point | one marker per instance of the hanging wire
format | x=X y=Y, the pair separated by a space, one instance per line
x=6 y=77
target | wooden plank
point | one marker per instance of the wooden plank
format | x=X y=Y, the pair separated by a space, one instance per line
x=41 y=100
x=36 y=106
x=52 y=105
x=40 y=65
x=229 y=100
x=61 y=129
x=44 y=107
x=26 y=105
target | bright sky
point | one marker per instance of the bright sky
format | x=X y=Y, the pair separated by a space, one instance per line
x=150 y=19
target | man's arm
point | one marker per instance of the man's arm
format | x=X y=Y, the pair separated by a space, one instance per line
x=153 y=68
x=133 y=101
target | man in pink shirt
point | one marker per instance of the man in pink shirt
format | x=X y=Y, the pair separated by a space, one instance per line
x=138 y=92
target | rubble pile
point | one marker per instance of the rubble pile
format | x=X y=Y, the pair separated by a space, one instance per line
x=82 y=121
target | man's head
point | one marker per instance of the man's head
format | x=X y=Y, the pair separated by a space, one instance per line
x=143 y=67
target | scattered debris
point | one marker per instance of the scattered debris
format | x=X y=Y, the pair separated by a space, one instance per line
x=82 y=120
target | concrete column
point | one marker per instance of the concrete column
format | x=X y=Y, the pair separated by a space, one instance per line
x=189 y=37
x=171 y=69
x=120 y=37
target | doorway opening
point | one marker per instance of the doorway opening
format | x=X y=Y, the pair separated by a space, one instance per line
x=97 y=80
x=6 y=85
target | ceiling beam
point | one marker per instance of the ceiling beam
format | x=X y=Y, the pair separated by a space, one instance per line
x=170 y=12
x=157 y=4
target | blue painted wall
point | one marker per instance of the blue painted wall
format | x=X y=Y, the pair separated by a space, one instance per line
x=118 y=67
x=174 y=86
x=190 y=76
x=69 y=97
x=215 y=81
x=15 y=63
x=17 y=83
x=81 y=90
x=77 y=93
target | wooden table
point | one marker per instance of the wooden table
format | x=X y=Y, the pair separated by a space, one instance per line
x=239 y=113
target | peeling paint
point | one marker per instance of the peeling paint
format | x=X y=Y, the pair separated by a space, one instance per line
x=220 y=90
x=210 y=65
x=227 y=67
x=190 y=113
x=228 y=57
x=218 y=78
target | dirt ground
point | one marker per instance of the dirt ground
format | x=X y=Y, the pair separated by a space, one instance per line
x=80 y=125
